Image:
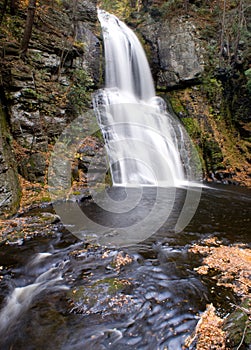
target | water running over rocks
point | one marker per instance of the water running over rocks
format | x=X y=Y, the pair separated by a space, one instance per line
x=146 y=145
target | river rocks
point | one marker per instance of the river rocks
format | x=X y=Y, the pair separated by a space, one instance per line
x=37 y=223
x=49 y=218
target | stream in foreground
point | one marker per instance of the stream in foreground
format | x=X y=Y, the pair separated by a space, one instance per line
x=59 y=292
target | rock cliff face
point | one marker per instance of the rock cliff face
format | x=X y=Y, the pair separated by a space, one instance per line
x=180 y=55
x=9 y=185
x=177 y=51
x=206 y=88
x=48 y=89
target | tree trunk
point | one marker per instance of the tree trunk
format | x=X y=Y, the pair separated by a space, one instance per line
x=3 y=10
x=12 y=7
x=28 y=27
x=186 y=3
x=240 y=27
x=223 y=29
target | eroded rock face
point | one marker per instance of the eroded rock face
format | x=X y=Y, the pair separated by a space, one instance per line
x=9 y=185
x=177 y=52
x=180 y=54
x=92 y=54
x=42 y=92
x=63 y=49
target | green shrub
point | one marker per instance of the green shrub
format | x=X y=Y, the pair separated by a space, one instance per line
x=80 y=93
x=248 y=76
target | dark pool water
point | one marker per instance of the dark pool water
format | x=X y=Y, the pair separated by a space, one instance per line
x=61 y=292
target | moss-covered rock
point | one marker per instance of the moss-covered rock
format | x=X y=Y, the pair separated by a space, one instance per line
x=10 y=192
x=238 y=326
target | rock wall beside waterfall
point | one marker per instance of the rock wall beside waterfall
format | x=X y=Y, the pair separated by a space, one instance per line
x=46 y=90
x=176 y=51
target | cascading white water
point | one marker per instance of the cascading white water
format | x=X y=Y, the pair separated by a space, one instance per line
x=126 y=64
x=21 y=297
x=143 y=141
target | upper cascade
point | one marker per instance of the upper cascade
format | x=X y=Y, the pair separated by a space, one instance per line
x=126 y=64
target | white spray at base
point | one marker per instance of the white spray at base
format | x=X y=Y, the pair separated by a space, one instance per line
x=145 y=144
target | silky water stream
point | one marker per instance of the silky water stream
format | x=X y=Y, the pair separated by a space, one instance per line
x=145 y=144
x=71 y=292
x=60 y=292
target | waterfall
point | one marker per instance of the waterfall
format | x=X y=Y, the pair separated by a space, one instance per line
x=126 y=64
x=144 y=143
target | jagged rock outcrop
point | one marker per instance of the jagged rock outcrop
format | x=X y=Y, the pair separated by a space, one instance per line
x=177 y=51
x=180 y=53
